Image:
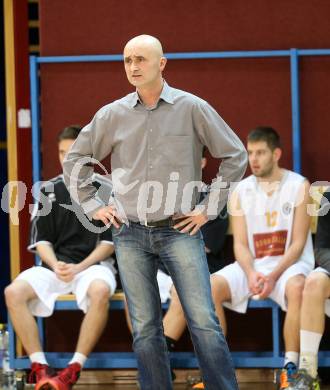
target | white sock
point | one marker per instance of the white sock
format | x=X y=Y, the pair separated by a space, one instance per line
x=78 y=358
x=309 y=347
x=38 y=357
x=291 y=356
x=310 y=341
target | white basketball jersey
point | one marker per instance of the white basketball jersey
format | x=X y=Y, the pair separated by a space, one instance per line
x=269 y=218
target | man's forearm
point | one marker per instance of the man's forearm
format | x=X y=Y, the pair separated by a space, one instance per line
x=244 y=258
x=47 y=254
x=100 y=253
x=290 y=257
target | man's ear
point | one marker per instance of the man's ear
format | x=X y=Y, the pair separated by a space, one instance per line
x=162 y=63
x=277 y=154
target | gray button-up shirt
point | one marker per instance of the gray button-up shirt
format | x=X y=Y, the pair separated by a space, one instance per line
x=155 y=156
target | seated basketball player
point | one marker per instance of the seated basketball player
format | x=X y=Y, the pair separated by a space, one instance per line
x=71 y=256
x=272 y=243
x=316 y=304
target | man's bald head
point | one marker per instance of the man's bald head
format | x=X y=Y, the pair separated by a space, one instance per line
x=147 y=41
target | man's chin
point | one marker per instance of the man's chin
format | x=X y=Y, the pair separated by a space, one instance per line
x=259 y=174
x=136 y=82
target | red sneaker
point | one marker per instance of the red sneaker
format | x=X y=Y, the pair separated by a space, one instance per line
x=64 y=380
x=39 y=372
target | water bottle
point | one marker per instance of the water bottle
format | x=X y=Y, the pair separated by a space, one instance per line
x=2 y=347
x=8 y=374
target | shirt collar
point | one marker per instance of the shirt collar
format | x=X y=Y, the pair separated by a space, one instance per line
x=166 y=95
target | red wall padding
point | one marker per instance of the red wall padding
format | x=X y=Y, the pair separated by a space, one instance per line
x=104 y=26
x=246 y=92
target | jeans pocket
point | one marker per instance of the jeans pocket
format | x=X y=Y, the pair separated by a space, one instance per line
x=116 y=232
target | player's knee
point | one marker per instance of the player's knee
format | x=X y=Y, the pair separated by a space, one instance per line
x=219 y=288
x=313 y=287
x=295 y=289
x=13 y=295
x=99 y=293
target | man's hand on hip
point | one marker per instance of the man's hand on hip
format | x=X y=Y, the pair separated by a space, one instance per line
x=108 y=215
x=190 y=222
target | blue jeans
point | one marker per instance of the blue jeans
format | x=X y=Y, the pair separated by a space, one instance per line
x=138 y=249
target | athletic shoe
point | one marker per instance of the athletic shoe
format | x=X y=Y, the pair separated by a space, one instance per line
x=287 y=376
x=64 y=380
x=40 y=371
x=199 y=385
x=305 y=382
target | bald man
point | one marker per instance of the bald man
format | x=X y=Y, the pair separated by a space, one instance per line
x=156 y=136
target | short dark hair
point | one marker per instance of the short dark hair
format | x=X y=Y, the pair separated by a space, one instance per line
x=69 y=132
x=266 y=134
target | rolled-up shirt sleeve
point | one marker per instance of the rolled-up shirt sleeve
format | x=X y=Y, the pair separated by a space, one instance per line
x=222 y=143
x=93 y=144
x=43 y=226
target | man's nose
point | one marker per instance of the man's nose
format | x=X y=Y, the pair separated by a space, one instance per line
x=134 y=66
x=253 y=158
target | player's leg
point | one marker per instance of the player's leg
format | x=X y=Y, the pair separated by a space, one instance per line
x=93 y=324
x=17 y=295
x=293 y=292
x=27 y=296
x=220 y=293
x=288 y=294
x=174 y=321
x=316 y=292
x=92 y=288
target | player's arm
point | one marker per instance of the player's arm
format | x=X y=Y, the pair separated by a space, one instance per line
x=242 y=251
x=101 y=252
x=46 y=253
x=43 y=232
x=300 y=231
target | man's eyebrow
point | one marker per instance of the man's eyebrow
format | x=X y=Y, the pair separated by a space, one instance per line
x=129 y=57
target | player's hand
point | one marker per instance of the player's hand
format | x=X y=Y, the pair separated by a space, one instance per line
x=256 y=282
x=268 y=287
x=108 y=215
x=190 y=222
x=65 y=271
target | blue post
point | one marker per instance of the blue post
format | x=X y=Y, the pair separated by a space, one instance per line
x=36 y=155
x=276 y=332
x=295 y=107
x=34 y=80
x=12 y=344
